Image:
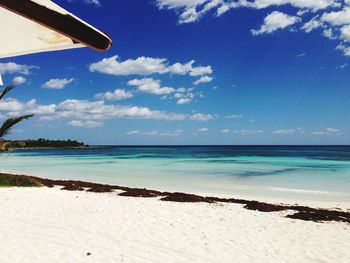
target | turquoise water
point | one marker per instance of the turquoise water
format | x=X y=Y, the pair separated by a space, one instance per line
x=290 y=172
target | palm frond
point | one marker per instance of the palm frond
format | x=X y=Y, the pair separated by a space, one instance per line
x=5 y=91
x=9 y=123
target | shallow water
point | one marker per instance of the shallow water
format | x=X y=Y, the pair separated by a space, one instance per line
x=313 y=172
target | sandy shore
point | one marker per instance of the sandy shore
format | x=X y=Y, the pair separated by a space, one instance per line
x=51 y=225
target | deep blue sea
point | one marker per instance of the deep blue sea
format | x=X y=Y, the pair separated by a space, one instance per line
x=307 y=172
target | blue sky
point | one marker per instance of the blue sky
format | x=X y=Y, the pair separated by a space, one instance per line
x=193 y=72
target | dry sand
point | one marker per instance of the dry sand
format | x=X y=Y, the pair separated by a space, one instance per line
x=50 y=225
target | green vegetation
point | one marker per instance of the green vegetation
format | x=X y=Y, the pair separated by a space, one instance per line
x=10 y=122
x=9 y=180
x=43 y=143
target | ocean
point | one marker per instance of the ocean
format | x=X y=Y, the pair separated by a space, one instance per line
x=299 y=172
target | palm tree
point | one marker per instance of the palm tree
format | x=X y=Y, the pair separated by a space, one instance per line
x=10 y=122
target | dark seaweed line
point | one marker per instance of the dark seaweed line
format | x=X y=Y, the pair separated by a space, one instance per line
x=300 y=212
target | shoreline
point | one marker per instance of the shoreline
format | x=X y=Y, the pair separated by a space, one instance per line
x=300 y=212
x=88 y=224
x=60 y=148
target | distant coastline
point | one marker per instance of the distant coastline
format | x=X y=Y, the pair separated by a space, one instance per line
x=42 y=144
x=73 y=144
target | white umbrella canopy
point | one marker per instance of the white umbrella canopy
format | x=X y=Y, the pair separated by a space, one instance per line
x=33 y=26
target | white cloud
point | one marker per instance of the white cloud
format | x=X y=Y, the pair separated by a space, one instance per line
x=201 y=117
x=182 y=101
x=203 y=130
x=181 y=90
x=343 y=66
x=300 y=55
x=288 y=131
x=118 y=94
x=173 y=4
x=19 y=80
x=57 y=83
x=311 y=25
x=328 y=33
x=225 y=130
x=11 y=68
x=190 y=11
x=171 y=133
x=156 y=133
x=149 y=133
x=274 y=21
x=302 y=12
x=199 y=71
x=95 y=2
x=85 y=124
x=337 y=18
x=86 y=113
x=185 y=98
x=344 y=49
x=178 y=95
x=247 y=132
x=184 y=69
x=139 y=66
x=203 y=79
x=334 y=25
x=328 y=131
x=98 y=109
x=332 y=17
x=14 y=107
x=150 y=85
x=146 y=66
x=133 y=132
x=345 y=33
x=307 y=4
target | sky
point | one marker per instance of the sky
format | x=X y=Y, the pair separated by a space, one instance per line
x=192 y=72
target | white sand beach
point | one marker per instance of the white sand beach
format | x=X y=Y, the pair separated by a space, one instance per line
x=51 y=225
x=213 y=131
